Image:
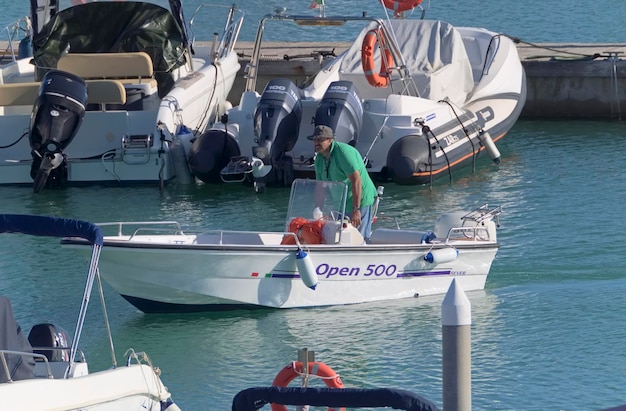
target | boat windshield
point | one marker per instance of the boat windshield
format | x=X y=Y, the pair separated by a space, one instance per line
x=307 y=195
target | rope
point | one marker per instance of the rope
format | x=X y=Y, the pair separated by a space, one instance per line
x=426 y=130
x=474 y=156
x=306 y=374
x=517 y=40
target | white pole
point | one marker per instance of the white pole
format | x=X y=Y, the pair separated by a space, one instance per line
x=456 y=321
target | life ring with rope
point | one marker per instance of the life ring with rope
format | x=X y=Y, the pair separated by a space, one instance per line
x=294 y=369
x=380 y=78
x=401 y=5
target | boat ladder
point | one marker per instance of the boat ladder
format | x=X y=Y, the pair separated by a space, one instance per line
x=136 y=148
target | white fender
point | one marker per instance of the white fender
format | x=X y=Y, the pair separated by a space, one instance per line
x=441 y=255
x=490 y=146
x=306 y=269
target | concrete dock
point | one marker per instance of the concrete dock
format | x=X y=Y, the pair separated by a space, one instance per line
x=565 y=81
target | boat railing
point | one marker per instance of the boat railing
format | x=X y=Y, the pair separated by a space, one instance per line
x=137 y=358
x=224 y=44
x=484 y=213
x=40 y=359
x=262 y=237
x=478 y=233
x=152 y=226
x=18 y=31
x=251 y=70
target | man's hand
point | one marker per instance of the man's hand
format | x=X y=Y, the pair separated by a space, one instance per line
x=355 y=218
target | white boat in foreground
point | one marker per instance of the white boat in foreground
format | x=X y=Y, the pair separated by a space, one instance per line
x=159 y=268
x=47 y=370
x=116 y=92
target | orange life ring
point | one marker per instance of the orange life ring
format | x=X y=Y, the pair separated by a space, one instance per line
x=291 y=371
x=401 y=5
x=380 y=79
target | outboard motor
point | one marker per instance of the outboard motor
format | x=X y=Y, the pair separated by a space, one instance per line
x=50 y=336
x=341 y=110
x=57 y=115
x=276 y=126
x=211 y=152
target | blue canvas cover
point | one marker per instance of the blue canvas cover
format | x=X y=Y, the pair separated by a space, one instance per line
x=50 y=227
x=253 y=399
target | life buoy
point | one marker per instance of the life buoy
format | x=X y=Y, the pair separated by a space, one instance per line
x=291 y=371
x=401 y=5
x=380 y=78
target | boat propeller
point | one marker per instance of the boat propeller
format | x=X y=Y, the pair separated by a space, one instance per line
x=50 y=160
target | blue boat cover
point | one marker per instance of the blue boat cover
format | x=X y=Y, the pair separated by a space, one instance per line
x=253 y=399
x=50 y=226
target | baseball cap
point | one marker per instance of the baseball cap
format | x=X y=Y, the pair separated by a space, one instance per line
x=322 y=132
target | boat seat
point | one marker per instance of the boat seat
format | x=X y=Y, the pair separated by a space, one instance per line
x=98 y=92
x=129 y=68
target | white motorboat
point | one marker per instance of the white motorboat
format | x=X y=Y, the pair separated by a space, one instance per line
x=48 y=369
x=322 y=261
x=112 y=101
x=441 y=96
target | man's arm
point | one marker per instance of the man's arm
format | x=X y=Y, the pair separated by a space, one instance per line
x=355 y=181
x=355 y=215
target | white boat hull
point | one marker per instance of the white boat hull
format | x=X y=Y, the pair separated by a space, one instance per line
x=319 y=262
x=136 y=387
x=200 y=277
x=98 y=155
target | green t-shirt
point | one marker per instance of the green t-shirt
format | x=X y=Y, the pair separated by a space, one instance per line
x=343 y=161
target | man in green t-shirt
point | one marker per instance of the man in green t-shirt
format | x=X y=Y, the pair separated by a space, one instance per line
x=336 y=161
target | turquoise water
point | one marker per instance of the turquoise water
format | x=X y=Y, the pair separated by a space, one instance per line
x=547 y=331
x=565 y=21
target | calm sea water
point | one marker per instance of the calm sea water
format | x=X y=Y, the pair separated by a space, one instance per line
x=548 y=331
x=548 y=21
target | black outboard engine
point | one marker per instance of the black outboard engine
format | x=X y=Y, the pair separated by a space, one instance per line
x=55 y=120
x=276 y=125
x=341 y=110
x=211 y=152
x=50 y=336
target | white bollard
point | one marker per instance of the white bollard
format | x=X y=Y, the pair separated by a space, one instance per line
x=456 y=321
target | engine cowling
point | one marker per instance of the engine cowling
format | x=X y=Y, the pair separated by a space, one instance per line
x=277 y=120
x=56 y=117
x=341 y=110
